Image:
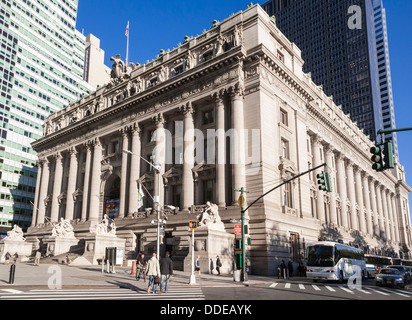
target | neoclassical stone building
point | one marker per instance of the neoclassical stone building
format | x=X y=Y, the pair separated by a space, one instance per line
x=239 y=92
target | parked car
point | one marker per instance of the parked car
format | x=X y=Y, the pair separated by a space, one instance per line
x=390 y=277
x=405 y=274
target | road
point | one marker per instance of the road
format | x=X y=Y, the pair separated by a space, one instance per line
x=271 y=290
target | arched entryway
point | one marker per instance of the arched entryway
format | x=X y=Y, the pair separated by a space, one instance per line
x=112 y=196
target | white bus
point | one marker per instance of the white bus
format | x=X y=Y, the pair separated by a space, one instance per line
x=327 y=260
x=374 y=263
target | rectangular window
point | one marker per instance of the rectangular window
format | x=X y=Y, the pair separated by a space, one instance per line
x=285 y=148
x=283 y=117
x=287 y=195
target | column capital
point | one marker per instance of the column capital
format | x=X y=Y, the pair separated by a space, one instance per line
x=124 y=131
x=237 y=91
x=159 y=119
x=135 y=128
x=218 y=96
x=187 y=109
x=72 y=151
x=57 y=156
x=96 y=142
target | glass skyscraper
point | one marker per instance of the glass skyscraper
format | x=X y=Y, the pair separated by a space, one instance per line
x=41 y=67
x=341 y=57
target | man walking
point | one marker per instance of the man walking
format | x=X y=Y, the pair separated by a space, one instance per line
x=166 y=271
x=153 y=271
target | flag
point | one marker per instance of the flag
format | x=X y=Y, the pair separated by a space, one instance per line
x=140 y=196
x=127 y=29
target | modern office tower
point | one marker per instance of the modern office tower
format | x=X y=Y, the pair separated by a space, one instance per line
x=338 y=44
x=384 y=72
x=41 y=66
x=96 y=72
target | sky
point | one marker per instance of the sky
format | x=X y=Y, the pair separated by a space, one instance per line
x=159 y=24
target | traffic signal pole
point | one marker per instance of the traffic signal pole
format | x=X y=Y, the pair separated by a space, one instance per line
x=243 y=211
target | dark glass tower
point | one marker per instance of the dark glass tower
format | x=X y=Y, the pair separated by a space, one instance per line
x=338 y=43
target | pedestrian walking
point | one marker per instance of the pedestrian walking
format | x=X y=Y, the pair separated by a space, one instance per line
x=197 y=264
x=166 y=271
x=37 y=258
x=283 y=269
x=141 y=265
x=7 y=258
x=218 y=265
x=290 y=267
x=153 y=271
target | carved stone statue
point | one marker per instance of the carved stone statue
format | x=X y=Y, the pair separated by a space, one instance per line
x=120 y=70
x=63 y=229
x=15 y=234
x=210 y=217
x=105 y=227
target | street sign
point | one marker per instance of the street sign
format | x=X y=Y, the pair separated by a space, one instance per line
x=238 y=229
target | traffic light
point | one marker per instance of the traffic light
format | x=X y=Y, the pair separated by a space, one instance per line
x=324 y=181
x=388 y=155
x=377 y=158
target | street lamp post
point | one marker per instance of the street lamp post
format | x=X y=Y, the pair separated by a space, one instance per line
x=156 y=166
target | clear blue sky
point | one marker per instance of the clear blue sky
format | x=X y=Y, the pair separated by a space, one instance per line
x=159 y=24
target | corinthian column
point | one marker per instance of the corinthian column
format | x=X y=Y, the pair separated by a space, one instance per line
x=316 y=151
x=57 y=185
x=352 y=196
x=36 y=195
x=123 y=178
x=359 y=197
x=367 y=201
x=134 y=169
x=380 y=209
x=95 y=181
x=340 y=164
x=374 y=207
x=332 y=205
x=160 y=154
x=188 y=159
x=71 y=184
x=86 y=181
x=41 y=213
x=238 y=156
x=220 y=157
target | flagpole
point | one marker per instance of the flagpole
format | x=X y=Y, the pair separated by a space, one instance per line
x=127 y=48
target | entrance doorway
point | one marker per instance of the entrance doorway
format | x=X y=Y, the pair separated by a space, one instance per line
x=112 y=197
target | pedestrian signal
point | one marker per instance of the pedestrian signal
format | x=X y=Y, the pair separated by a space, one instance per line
x=193 y=224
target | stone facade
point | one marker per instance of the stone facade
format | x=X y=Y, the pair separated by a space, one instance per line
x=242 y=83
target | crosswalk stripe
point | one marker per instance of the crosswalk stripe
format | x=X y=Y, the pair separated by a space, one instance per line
x=347 y=290
x=330 y=289
x=395 y=292
x=301 y=286
x=287 y=285
x=315 y=287
x=380 y=292
x=273 y=285
x=88 y=294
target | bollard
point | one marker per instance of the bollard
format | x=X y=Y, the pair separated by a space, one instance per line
x=12 y=272
x=133 y=273
x=102 y=265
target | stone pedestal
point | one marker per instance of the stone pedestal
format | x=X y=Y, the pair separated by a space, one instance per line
x=60 y=245
x=21 y=247
x=209 y=243
x=95 y=248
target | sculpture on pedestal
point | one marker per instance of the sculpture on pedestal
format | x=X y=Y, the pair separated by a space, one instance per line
x=15 y=234
x=105 y=227
x=210 y=217
x=63 y=229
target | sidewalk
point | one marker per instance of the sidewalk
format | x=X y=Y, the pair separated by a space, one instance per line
x=28 y=275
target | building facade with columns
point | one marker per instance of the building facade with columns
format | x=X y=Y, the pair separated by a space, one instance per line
x=226 y=109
